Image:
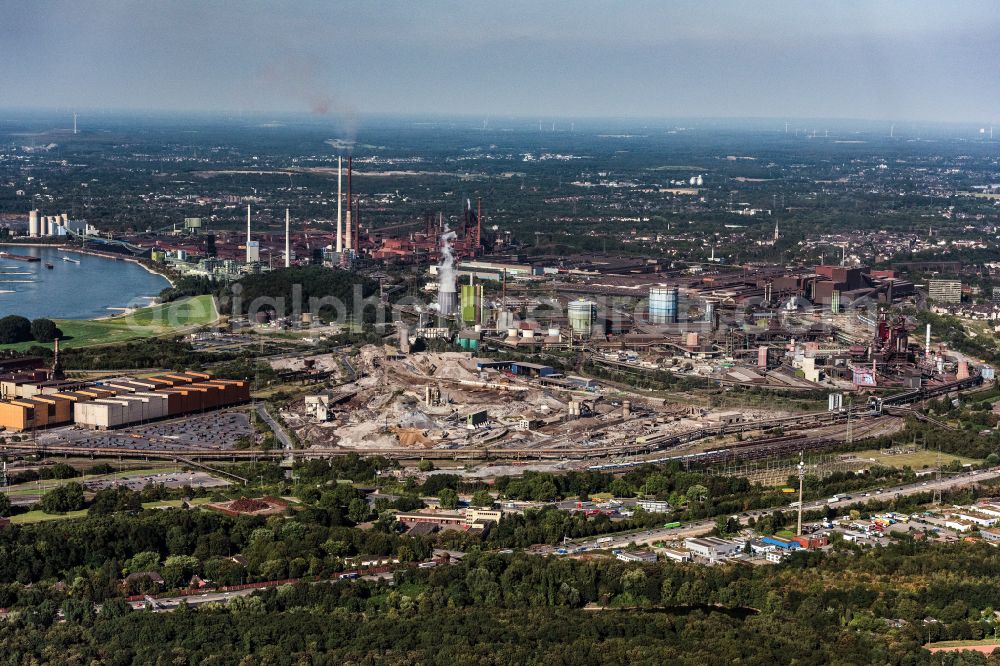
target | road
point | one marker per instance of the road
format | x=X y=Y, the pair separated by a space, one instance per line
x=167 y=604
x=171 y=603
x=279 y=432
x=647 y=537
x=350 y=368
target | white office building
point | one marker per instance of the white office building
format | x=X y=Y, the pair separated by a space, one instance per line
x=713 y=548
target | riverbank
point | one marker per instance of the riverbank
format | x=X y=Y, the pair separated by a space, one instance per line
x=159 y=321
x=70 y=282
x=97 y=253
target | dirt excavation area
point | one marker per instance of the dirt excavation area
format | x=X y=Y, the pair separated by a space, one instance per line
x=436 y=401
x=318 y=363
x=424 y=401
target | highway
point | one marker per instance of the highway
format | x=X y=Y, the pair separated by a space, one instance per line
x=647 y=537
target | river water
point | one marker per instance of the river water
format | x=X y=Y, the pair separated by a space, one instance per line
x=95 y=287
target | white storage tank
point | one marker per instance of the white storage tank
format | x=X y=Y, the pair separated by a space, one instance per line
x=582 y=314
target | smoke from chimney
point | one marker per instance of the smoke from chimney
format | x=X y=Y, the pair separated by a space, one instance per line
x=446 y=274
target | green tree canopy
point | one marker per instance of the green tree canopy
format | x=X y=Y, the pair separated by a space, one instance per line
x=448 y=498
x=482 y=498
x=67 y=497
x=14 y=328
x=45 y=330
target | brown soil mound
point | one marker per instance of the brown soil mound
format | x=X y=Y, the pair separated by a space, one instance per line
x=248 y=505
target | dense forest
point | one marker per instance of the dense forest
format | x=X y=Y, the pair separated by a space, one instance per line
x=63 y=582
x=329 y=293
x=849 y=607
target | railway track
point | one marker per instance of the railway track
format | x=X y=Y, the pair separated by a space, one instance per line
x=648 y=445
x=749 y=450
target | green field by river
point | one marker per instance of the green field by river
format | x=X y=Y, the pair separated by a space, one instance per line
x=158 y=320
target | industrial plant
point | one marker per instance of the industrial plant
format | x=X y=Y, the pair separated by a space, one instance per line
x=33 y=399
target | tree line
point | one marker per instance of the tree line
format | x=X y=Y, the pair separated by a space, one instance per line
x=849 y=606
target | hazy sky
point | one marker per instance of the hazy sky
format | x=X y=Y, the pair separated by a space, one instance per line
x=915 y=60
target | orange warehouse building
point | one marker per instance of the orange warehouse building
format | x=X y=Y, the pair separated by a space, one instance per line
x=30 y=413
x=150 y=383
x=60 y=409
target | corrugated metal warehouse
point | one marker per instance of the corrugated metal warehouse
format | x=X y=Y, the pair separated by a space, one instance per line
x=124 y=401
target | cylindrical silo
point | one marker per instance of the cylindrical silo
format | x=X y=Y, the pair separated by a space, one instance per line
x=33 y=224
x=663 y=305
x=63 y=219
x=581 y=316
x=710 y=311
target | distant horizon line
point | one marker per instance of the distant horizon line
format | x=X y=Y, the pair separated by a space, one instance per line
x=335 y=118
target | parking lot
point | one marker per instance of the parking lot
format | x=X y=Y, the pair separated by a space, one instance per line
x=174 y=479
x=219 y=430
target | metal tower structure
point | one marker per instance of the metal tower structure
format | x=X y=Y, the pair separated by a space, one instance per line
x=802 y=479
x=937 y=477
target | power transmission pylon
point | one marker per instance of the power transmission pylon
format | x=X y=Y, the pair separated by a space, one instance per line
x=802 y=478
x=937 y=481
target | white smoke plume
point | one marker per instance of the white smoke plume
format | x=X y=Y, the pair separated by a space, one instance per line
x=307 y=80
x=446 y=274
x=446 y=269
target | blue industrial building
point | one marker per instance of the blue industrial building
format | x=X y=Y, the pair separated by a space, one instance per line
x=785 y=544
x=531 y=369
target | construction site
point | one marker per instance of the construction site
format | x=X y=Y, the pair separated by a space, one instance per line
x=454 y=405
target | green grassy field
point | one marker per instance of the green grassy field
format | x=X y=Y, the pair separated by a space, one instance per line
x=40 y=516
x=151 y=322
x=916 y=460
x=44 y=485
x=175 y=504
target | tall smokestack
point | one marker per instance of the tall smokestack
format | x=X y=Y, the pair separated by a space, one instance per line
x=357 y=224
x=350 y=169
x=248 y=233
x=57 y=368
x=288 y=241
x=927 y=342
x=479 y=226
x=340 y=200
